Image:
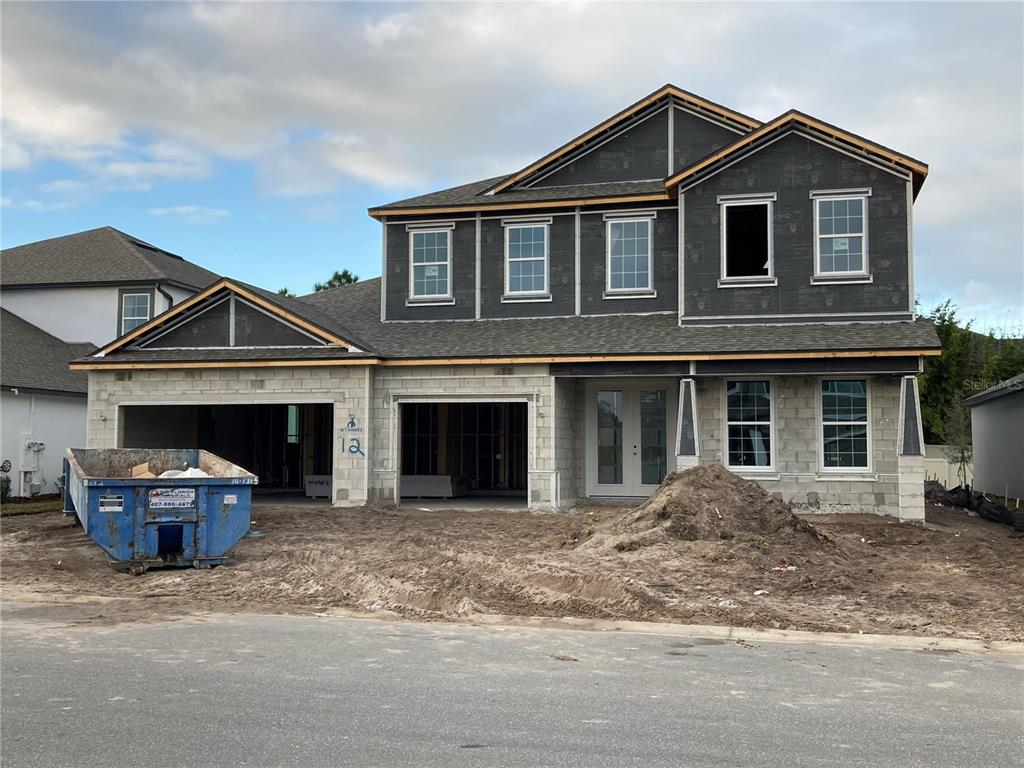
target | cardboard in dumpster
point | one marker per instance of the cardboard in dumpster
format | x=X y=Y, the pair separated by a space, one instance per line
x=142 y=470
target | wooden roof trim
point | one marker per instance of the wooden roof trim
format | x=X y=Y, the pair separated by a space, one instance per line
x=809 y=122
x=500 y=205
x=520 y=360
x=628 y=112
x=198 y=298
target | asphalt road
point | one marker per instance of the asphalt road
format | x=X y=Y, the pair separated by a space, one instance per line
x=284 y=691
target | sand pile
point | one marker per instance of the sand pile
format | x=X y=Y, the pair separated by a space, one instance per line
x=707 y=503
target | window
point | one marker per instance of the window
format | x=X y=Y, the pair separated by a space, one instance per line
x=293 y=425
x=134 y=310
x=526 y=259
x=747 y=240
x=841 y=226
x=629 y=255
x=844 y=424
x=609 y=437
x=430 y=254
x=748 y=424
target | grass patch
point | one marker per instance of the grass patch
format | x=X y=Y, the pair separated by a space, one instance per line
x=31 y=508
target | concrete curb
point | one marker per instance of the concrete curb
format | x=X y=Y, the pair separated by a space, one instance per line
x=710 y=631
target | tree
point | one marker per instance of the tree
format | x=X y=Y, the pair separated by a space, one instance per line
x=338 y=278
x=1006 y=362
x=285 y=292
x=956 y=437
x=945 y=378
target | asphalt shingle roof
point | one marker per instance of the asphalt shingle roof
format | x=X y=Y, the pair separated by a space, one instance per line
x=30 y=358
x=359 y=305
x=472 y=194
x=104 y=255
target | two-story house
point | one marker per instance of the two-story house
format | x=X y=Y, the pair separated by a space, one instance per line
x=680 y=284
x=62 y=297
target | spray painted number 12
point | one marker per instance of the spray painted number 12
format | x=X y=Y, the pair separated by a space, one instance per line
x=353 y=446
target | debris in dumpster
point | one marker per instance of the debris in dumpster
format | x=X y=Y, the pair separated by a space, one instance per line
x=181 y=474
x=140 y=470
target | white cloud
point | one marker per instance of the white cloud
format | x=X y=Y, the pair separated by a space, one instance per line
x=192 y=214
x=316 y=96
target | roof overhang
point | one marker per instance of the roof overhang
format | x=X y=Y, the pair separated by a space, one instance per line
x=506 y=205
x=198 y=299
x=798 y=120
x=612 y=123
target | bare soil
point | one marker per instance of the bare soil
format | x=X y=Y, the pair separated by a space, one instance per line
x=953 y=576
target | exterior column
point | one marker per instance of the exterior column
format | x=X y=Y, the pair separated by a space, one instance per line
x=687 y=436
x=910 y=461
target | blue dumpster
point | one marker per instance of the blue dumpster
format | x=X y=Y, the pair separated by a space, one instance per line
x=152 y=522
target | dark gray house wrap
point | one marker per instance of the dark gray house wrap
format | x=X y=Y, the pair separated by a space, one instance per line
x=679 y=284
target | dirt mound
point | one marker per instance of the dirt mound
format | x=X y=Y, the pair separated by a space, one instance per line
x=707 y=503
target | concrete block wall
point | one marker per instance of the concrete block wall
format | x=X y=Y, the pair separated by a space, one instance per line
x=343 y=386
x=531 y=383
x=568 y=439
x=797 y=475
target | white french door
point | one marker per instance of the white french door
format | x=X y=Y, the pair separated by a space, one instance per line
x=629 y=428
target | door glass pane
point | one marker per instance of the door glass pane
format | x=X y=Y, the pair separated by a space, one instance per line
x=609 y=438
x=653 y=436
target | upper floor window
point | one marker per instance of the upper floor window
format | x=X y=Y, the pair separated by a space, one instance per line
x=430 y=254
x=629 y=255
x=841 y=234
x=135 y=310
x=526 y=259
x=747 y=239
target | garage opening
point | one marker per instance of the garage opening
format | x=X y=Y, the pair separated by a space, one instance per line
x=289 y=446
x=455 y=450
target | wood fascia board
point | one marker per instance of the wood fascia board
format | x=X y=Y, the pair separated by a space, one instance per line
x=291 y=318
x=159 y=320
x=223 y=283
x=646 y=197
x=517 y=360
x=611 y=122
x=838 y=134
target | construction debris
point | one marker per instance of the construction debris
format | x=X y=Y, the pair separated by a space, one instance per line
x=974 y=502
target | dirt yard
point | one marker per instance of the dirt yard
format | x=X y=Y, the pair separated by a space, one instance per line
x=954 y=576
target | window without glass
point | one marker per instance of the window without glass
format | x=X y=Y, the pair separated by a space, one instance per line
x=629 y=255
x=749 y=423
x=431 y=262
x=134 y=310
x=526 y=259
x=841 y=228
x=747 y=228
x=844 y=424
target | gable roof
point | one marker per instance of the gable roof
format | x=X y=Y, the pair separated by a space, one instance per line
x=796 y=119
x=665 y=93
x=96 y=257
x=501 y=192
x=288 y=309
x=32 y=359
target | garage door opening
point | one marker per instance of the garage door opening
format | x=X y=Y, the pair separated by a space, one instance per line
x=464 y=450
x=290 y=447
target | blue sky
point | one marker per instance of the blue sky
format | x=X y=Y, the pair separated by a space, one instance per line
x=252 y=138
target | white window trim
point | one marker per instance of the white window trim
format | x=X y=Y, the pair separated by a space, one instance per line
x=646 y=292
x=431 y=297
x=742 y=469
x=124 y=316
x=861 y=275
x=834 y=472
x=736 y=281
x=509 y=293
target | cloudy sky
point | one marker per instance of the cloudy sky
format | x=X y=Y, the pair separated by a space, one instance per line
x=252 y=138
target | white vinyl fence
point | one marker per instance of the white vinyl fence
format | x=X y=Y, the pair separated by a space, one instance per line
x=937 y=467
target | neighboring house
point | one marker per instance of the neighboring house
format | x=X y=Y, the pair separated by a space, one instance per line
x=58 y=295
x=96 y=285
x=42 y=402
x=997 y=436
x=681 y=284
